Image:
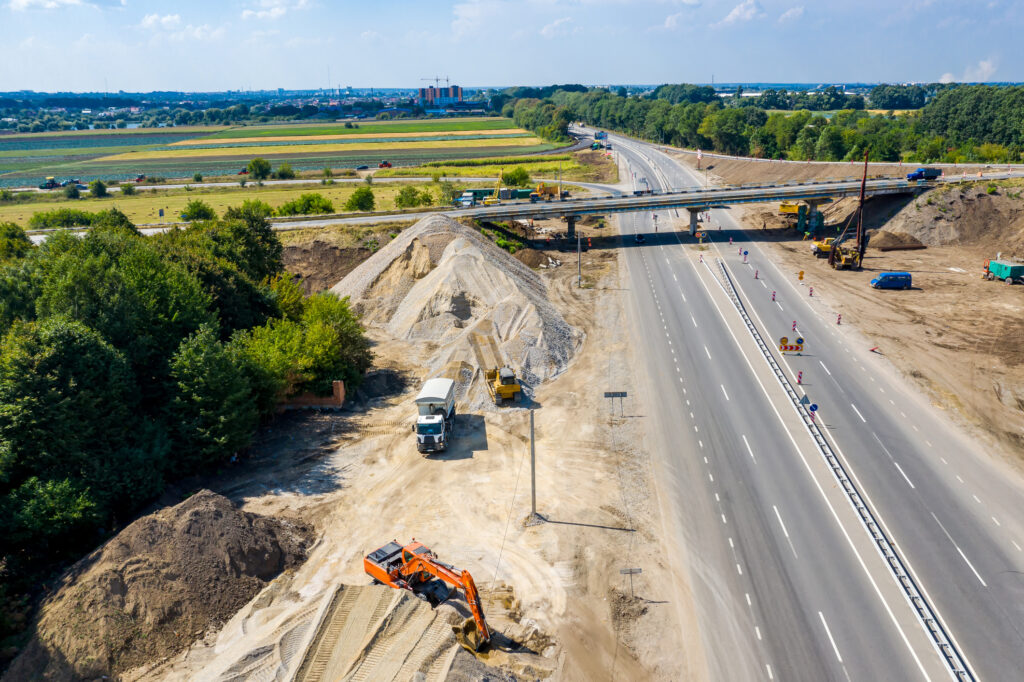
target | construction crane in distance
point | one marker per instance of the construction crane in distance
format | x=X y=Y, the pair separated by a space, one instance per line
x=437 y=81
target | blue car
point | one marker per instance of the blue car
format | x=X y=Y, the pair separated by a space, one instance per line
x=892 y=280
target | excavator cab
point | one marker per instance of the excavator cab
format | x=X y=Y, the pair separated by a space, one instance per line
x=416 y=568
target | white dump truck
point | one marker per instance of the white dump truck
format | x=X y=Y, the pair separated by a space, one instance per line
x=436 y=419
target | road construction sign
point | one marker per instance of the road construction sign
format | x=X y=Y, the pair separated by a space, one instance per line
x=797 y=346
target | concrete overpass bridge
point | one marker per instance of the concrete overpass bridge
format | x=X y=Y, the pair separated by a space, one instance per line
x=694 y=200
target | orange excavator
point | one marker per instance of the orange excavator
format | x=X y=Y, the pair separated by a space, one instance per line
x=414 y=568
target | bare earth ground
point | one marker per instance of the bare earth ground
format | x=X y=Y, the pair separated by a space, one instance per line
x=552 y=589
x=958 y=336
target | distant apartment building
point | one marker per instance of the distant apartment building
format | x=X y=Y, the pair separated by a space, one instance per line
x=434 y=96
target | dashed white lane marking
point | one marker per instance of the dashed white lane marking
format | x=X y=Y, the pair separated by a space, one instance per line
x=778 y=304
x=683 y=295
x=693 y=320
x=960 y=551
x=739 y=569
x=723 y=391
x=769 y=669
x=747 y=595
x=749 y=450
x=779 y=517
x=830 y=639
x=928 y=444
x=858 y=413
x=976 y=499
x=904 y=475
x=674 y=277
x=717 y=498
x=996 y=521
x=707 y=352
x=723 y=519
x=700 y=443
x=824 y=367
x=1017 y=546
x=706 y=460
x=959 y=479
x=732 y=546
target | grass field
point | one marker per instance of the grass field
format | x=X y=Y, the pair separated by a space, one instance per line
x=584 y=166
x=145 y=207
x=118 y=155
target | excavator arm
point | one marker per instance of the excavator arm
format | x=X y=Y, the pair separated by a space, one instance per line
x=456 y=578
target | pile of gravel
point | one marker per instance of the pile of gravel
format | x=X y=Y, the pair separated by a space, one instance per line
x=440 y=283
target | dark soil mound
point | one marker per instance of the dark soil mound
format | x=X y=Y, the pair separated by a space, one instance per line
x=320 y=265
x=155 y=587
x=531 y=257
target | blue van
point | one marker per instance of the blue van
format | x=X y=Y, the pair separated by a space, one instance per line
x=892 y=280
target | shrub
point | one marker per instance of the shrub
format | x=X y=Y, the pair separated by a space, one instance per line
x=61 y=217
x=198 y=210
x=285 y=172
x=71 y=191
x=407 y=197
x=97 y=189
x=327 y=169
x=259 y=169
x=361 y=200
x=306 y=204
x=127 y=189
x=517 y=177
x=197 y=177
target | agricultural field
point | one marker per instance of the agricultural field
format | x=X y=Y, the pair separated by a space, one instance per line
x=585 y=166
x=118 y=155
x=144 y=208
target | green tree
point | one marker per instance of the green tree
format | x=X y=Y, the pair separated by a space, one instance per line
x=408 y=197
x=259 y=169
x=212 y=405
x=127 y=189
x=14 y=243
x=517 y=177
x=197 y=177
x=328 y=173
x=285 y=172
x=287 y=295
x=97 y=189
x=196 y=209
x=361 y=200
x=71 y=191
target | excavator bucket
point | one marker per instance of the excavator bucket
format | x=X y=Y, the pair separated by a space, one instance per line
x=468 y=636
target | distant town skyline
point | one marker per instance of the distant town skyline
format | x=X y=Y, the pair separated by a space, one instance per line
x=112 y=45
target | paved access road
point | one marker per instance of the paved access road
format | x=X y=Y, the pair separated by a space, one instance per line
x=782 y=571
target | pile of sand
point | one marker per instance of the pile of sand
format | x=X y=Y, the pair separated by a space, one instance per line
x=155 y=587
x=452 y=292
x=883 y=239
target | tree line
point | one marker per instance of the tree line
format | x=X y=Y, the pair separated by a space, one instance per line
x=977 y=123
x=127 y=362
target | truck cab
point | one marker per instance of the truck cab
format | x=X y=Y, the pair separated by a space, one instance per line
x=435 y=420
x=924 y=174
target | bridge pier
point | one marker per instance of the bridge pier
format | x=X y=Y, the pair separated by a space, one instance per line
x=694 y=215
x=570 y=223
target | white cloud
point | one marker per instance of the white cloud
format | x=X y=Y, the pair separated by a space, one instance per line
x=201 y=32
x=982 y=71
x=469 y=16
x=22 y=5
x=153 y=21
x=672 y=20
x=745 y=11
x=369 y=35
x=977 y=73
x=792 y=14
x=273 y=9
x=555 y=28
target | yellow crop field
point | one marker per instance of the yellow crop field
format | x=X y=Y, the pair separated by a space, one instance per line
x=312 y=149
x=237 y=141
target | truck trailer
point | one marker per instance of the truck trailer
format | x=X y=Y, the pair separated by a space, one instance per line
x=435 y=420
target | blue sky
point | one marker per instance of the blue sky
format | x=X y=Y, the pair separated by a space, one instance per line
x=134 y=45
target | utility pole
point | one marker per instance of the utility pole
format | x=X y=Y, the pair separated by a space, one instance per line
x=533 y=472
x=579 y=261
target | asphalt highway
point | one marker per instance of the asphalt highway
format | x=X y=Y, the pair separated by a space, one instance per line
x=771 y=523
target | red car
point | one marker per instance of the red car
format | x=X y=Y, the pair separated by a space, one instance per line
x=243 y=172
